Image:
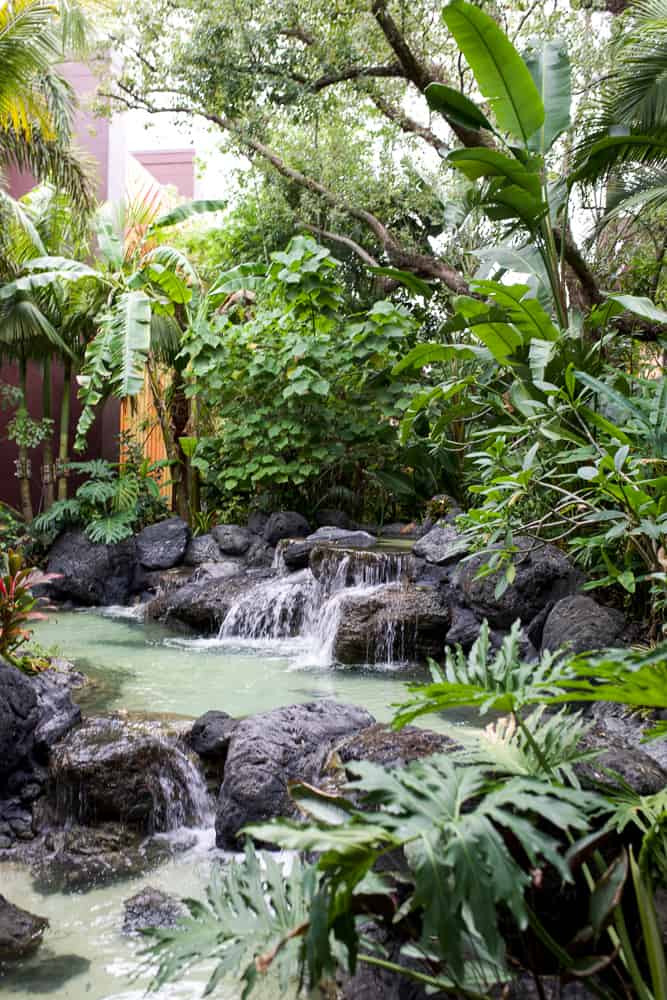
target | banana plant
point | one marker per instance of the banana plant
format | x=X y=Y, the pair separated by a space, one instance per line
x=144 y=291
x=529 y=102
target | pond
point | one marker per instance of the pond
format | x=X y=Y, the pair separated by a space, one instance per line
x=146 y=668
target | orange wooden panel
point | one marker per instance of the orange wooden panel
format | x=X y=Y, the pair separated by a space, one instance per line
x=139 y=419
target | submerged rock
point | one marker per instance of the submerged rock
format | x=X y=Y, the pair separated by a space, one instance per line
x=91 y=573
x=581 y=625
x=390 y=624
x=163 y=545
x=271 y=749
x=113 y=769
x=151 y=907
x=543 y=575
x=21 y=932
x=81 y=858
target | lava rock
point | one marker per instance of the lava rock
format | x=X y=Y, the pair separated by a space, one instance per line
x=58 y=714
x=268 y=751
x=285 y=524
x=204 y=605
x=296 y=555
x=133 y=772
x=211 y=734
x=383 y=745
x=80 y=858
x=232 y=539
x=441 y=545
x=581 y=625
x=390 y=624
x=19 y=716
x=90 y=573
x=163 y=545
x=341 y=536
x=259 y=555
x=543 y=574
x=334 y=519
x=464 y=629
x=257 y=522
x=21 y=932
x=151 y=907
x=618 y=756
x=202 y=549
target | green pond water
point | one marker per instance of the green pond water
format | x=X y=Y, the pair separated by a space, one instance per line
x=147 y=669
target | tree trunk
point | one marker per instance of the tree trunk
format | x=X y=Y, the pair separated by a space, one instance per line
x=175 y=455
x=48 y=477
x=63 y=447
x=24 y=477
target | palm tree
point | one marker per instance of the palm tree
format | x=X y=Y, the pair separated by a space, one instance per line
x=36 y=102
x=626 y=139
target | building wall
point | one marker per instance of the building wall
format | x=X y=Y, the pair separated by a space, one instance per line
x=174 y=167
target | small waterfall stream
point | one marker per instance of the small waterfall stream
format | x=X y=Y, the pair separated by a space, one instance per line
x=308 y=604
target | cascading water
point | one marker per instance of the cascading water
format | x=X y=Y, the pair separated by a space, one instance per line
x=308 y=604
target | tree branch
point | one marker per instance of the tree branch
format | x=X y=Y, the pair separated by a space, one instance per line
x=345 y=241
x=404 y=122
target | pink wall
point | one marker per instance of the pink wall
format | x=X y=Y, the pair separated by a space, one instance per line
x=171 y=166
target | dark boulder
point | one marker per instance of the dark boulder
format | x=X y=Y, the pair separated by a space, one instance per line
x=21 y=932
x=296 y=555
x=232 y=539
x=57 y=712
x=90 y=573
x=441 y=545
x=163 y=545
x=257 y=522
x=204 y=605
x=19 y=716
x=383 y=745
x=132 y=772
x=580 y=625
x=464 y=629
x=285 y=524
x=269 y=750
x=543 y=574
x=202 y=549
x=618 y=763
x=210 y=738
x=390 y=624
x=259 y=555
x=151 y=907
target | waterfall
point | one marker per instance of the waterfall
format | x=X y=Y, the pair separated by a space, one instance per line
x=183 y=798
x=308 y=604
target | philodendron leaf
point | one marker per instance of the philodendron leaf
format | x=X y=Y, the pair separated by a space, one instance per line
x=501 y=74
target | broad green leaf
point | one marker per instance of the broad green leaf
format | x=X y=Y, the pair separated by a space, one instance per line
x=481 y=162
x=500 y=72
x=456 y=107
x=524 y=261
x=641 y=306
x=186 y=211
x=549 y=66
x=413 y=284
x=525 y=312
x=607 y=893
x=243 y=276
x=429 y=354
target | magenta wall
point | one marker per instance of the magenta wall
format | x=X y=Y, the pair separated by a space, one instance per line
x=171 y=166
